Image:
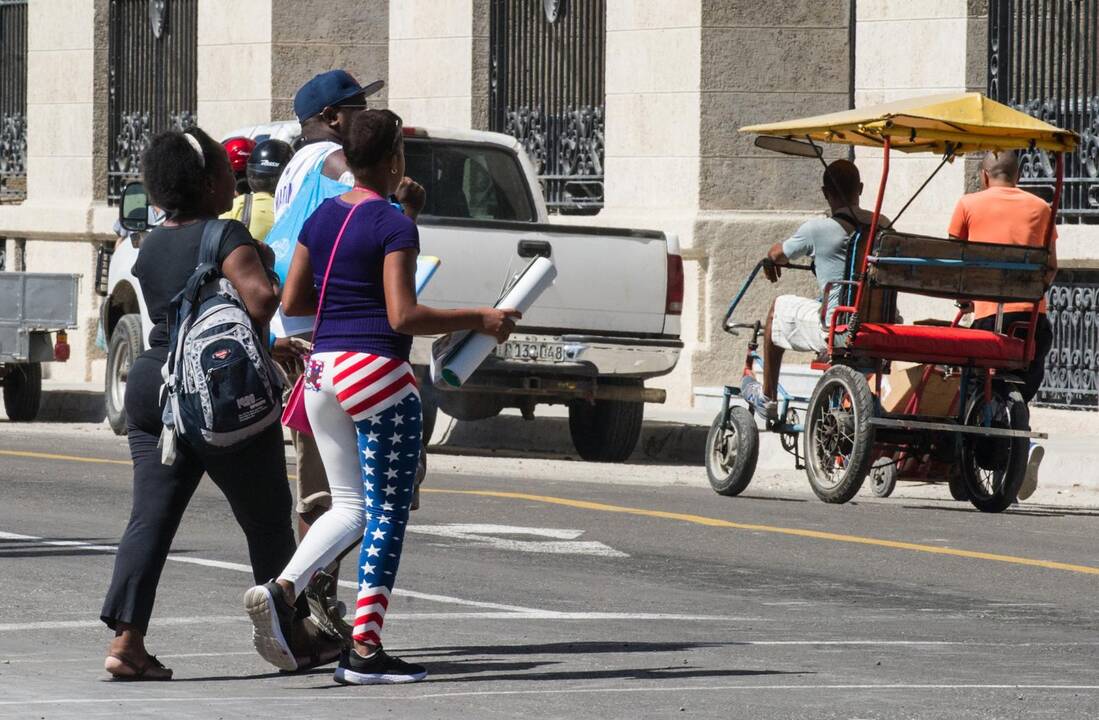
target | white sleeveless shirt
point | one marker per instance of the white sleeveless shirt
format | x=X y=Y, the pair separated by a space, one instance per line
x=303 y=161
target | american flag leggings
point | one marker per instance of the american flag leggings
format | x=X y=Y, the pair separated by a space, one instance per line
x=380 y=398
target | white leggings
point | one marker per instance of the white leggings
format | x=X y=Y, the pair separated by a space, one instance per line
x=365 y=414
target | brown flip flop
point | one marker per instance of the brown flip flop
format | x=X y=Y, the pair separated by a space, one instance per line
x=152 y=670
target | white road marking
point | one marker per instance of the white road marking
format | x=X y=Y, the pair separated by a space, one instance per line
x=561 y=542
x=525 y=616
x=360 y=697
x=506 y=612
x=239 y=567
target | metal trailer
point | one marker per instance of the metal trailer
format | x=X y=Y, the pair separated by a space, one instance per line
x=33 y=306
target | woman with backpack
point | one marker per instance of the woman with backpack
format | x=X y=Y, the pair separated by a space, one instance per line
x=188 y=175
x=360 y=394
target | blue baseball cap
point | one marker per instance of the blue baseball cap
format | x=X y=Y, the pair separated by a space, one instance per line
x=329 y=89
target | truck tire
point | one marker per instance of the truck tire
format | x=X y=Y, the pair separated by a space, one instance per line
x=607 y=431
x=23 y=392
x=122 y=350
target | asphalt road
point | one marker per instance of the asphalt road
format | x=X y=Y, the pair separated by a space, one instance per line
x=586 y=596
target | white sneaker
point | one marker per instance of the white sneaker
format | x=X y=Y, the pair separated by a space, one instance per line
x=1030 y=479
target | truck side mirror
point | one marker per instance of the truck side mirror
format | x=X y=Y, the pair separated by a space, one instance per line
x=133 y=210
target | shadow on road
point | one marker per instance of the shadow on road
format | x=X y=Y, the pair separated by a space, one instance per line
x=657 y=673
x=1020 y=510
x=568 y=648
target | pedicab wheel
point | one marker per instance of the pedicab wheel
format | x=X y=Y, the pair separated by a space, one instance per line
x=957 y=486
x=883 y=477
x=993 y=468
x=732 y=449
x=838 y=434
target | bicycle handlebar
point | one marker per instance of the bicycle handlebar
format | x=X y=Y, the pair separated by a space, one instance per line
x=728 y=326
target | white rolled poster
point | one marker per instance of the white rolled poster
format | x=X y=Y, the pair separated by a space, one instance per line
x=456 y=357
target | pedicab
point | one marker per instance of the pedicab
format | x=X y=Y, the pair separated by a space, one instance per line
x=842 y=433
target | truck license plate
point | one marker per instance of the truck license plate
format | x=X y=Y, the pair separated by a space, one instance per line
x=531 y=351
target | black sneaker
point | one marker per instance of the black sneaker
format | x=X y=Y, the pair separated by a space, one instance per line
x=272 y=620
x=378 y=669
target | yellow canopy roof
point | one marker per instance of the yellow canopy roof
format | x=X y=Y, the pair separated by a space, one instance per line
x=971 y=121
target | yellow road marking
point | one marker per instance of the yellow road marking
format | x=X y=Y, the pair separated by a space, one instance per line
x=76 y=458
x=69 y=458
x=797 y=532
x=688 y=518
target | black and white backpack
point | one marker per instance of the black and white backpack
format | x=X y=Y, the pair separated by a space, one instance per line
x=221 y=385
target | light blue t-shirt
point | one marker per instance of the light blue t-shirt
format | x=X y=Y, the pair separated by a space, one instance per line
x=825 y=240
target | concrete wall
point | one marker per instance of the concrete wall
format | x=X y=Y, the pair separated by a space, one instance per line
x=789 y=59
x=760 y=64
x=312 y=36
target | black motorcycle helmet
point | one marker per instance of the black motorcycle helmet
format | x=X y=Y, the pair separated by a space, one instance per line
x=266 y=163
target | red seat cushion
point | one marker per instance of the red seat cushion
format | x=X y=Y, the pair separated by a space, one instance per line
x=929 y=343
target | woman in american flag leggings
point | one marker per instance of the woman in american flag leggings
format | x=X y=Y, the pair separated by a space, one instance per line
x=361 y=395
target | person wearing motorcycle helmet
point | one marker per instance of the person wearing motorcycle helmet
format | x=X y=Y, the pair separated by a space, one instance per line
x=238 y=149
x=266 y=163
x=256 y=207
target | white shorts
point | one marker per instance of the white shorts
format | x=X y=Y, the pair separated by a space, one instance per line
x=796 y=325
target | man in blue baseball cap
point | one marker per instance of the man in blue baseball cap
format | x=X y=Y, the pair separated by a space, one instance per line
x=325 y=106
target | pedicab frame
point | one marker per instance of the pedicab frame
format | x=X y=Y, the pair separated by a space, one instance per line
x=846 y=433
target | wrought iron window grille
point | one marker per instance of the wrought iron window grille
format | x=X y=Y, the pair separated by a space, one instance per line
x=1073 y=363
x=1043 y=59
x=547 y=89
x=153 y=77
x=13 y=100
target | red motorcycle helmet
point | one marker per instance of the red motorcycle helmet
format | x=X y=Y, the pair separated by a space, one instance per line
x=239 y=148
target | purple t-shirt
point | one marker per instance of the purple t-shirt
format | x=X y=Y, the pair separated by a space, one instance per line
x=353 y=318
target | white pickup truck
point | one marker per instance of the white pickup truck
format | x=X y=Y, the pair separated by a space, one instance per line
x=610 y=322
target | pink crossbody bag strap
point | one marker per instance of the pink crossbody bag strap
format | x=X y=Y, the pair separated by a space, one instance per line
x=294 y=415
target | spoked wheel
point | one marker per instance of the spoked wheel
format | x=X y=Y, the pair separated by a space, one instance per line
x=993 y=468
x=883 y=477
x=838 y=434
x=732 y=449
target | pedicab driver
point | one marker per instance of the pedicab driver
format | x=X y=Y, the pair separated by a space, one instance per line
x=1008 y=215
x=794 y=323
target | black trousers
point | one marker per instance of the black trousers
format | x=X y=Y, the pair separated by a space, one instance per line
x=253 y=479
x=1043 y=341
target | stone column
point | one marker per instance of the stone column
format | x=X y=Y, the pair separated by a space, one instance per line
x=234 y=64
x=431 y=45
x=60 y=101
x=653 y=67
x=907 y=50
x=57 y=214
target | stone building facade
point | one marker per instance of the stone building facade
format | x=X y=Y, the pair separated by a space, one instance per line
x=678 y=77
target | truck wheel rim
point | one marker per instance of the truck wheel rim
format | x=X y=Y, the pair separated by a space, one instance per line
x=121 y=366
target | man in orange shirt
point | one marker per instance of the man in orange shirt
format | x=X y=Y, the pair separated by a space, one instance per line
x=1003 y=213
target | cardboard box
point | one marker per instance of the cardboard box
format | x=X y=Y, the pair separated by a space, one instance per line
x=939 y=395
